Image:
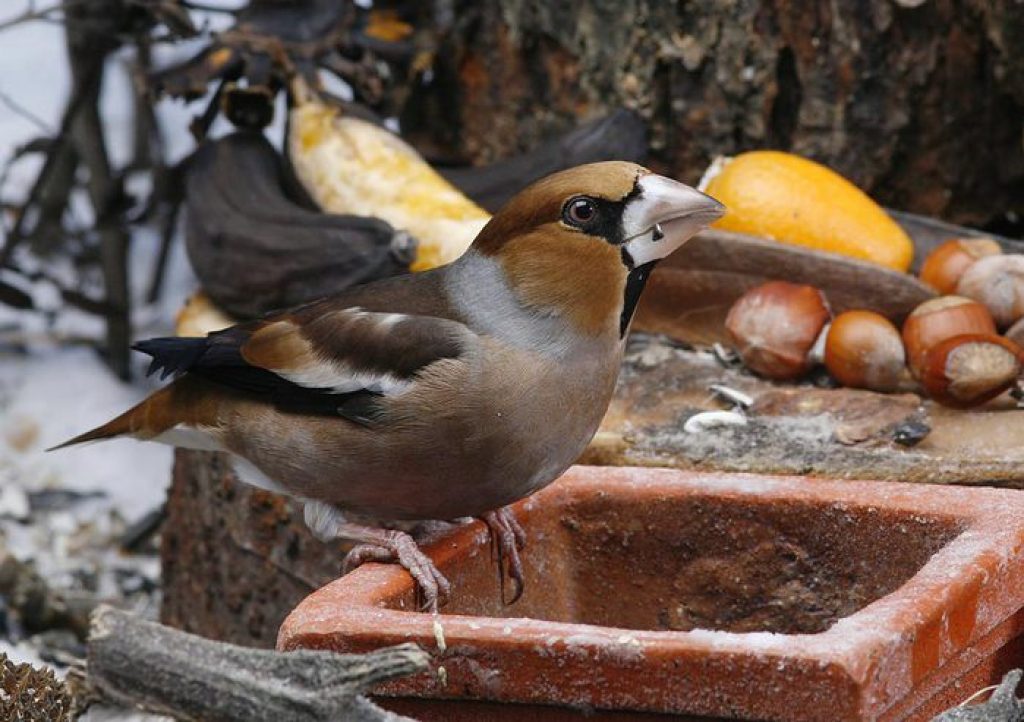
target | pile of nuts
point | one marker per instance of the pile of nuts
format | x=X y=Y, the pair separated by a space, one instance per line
x=949 y=346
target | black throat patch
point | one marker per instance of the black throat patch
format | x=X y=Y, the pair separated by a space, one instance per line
x=635 y=282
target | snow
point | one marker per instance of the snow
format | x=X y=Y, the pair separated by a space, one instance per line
x=62 y=393
x=51 y=389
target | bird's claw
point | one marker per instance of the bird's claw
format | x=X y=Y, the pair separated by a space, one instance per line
x=397 y=546
x=507 y=540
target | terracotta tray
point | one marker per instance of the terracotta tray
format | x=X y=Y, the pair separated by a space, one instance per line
x=739 y=596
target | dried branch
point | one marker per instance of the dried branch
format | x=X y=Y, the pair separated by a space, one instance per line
x=160 y=669
x=31 y=13
x=89 y=83
x=20 y=110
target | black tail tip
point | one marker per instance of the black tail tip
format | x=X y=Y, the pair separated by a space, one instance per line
x=171 y=355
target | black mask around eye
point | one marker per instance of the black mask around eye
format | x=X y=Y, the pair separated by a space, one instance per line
x=595 y=217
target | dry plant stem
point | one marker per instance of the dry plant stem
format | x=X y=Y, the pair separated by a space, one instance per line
x=150 y=154
x=54 y=194
x=85 y=42
x=138 y=663
x=22 y=112
x=85 y=88
x=147 y=144
x=168 y=224
x=31 y=13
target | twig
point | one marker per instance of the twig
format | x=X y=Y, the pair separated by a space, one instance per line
x=106 y=193
x=83 y=89
x=20 y=110
x=30 y=13
x=168 y=225
x=167 y=671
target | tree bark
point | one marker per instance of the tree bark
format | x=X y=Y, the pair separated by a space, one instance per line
x=235 y=560
x=921 y=106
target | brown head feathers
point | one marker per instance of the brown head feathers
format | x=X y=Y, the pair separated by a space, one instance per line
x=557 y=265
x=542 y=203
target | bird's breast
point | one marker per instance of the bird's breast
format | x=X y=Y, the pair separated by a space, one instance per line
x=545 y=417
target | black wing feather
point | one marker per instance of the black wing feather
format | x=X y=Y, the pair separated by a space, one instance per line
x=217 y=359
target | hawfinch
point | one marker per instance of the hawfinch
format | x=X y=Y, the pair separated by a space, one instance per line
x=439 y=395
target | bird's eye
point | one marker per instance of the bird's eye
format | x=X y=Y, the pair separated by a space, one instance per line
x=579 y=211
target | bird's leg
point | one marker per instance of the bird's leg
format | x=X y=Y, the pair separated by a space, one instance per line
x=391 y=545
x=380 y=545
x=507 y=540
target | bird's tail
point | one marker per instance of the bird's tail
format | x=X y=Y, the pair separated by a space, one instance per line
x=142 y=420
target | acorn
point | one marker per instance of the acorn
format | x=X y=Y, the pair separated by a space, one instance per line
x=937 y=319
x=774 y=326
x=968 y=370
x=864 y=350
x=945 y=265
x=998 y=283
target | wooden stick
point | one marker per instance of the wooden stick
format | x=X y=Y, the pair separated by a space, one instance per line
x=137 y=663
x=1002 y=706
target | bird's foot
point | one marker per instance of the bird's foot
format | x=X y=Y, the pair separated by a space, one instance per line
x=507 y=540
x=391 y=546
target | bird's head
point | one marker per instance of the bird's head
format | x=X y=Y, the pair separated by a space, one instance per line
x=582 y=242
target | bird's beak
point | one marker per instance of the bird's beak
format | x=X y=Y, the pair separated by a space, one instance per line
x=662 y=216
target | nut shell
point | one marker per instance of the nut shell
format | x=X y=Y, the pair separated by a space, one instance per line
x=864 y=350
x=1016 y=333
x=774 y=326
x=968 y=370
x=940 y=318
x=998 y=283
x=945 y=265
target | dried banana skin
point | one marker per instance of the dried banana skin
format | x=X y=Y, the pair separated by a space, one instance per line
x=255 y=249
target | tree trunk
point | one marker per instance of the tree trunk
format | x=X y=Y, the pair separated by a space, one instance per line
x=921 y=106
x=235 y=559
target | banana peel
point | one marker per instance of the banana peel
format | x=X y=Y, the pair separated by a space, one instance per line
x=351 y=166
x=256 y=245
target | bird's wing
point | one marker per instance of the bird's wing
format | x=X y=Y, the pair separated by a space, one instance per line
x=318 y=359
